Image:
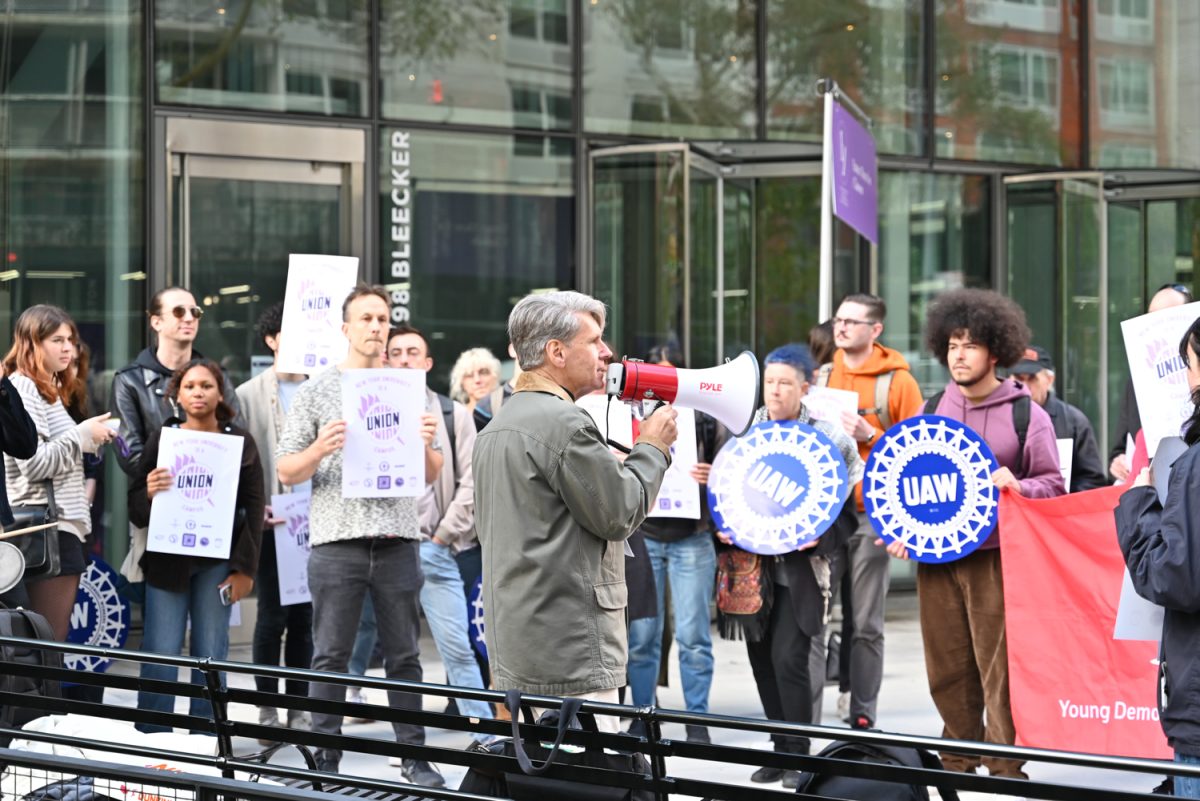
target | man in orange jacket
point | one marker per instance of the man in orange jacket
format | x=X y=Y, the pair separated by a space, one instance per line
x=887 y=394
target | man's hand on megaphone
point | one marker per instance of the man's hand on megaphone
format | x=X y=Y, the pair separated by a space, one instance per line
x=660 y=426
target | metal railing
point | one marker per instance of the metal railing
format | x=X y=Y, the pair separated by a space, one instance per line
x=660 y=780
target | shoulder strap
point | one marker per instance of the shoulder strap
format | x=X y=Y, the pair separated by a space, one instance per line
x=883 y=387
x=932 y=404
x=448 y=415
x=1021 y=426
x=823 y=373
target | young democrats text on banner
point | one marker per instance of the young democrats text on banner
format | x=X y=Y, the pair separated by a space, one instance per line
x=195 y=516
x=928 y=484
x=310 y=338
x=100 y=617
x=1073 y=686
x=384 y=455
x=779 y=486
x=1158 y=373
x=291 y=546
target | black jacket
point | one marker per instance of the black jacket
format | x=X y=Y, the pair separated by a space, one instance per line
x=1087 y=471
x=171 y=571
x=1162 y=550
x=18 y=438
x=139 y=400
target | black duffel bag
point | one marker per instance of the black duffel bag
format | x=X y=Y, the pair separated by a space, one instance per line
x=530 y=783
x=829 y=785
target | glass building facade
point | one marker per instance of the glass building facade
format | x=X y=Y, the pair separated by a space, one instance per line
x=662 y=154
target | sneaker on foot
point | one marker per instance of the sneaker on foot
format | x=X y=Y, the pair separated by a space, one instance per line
x=765 y=775
x=862 y=722
x=698 y=734
x=418 y=771
x=843 y=707
x=791 y=779
x=327 y=764
x=267 y=716
x=355 y=695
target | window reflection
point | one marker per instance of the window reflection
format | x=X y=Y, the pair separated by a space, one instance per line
x=489 y=225
x=1007 y=83
x=1146 y=72
x=489 y=62
x=874 y=51
x=670 y=67
x=294 y=55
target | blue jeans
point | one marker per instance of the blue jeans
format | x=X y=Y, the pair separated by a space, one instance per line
x=1186 y=786
x=691 y=566
x=165 y=621
x=446 y=612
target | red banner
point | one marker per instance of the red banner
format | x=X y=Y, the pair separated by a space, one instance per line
x=1072 y=685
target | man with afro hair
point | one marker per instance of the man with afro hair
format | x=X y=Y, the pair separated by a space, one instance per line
x=972 y=332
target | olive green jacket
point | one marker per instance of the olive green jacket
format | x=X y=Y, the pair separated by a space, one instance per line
x=553 y=508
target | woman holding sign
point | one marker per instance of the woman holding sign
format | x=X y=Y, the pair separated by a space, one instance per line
x=779 y=641
x=1161 y=543
x=179 y=585
x=41 y=363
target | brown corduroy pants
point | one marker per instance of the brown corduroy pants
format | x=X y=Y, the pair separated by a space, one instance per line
x=966 y=655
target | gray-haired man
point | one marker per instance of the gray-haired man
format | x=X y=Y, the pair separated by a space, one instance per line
x=553 y=508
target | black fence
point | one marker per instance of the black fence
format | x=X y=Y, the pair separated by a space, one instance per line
x=661 y=779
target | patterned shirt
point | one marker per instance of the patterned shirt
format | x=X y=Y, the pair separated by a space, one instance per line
x=331 y=517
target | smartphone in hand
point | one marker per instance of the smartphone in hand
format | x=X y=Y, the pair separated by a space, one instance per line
x=226 y=591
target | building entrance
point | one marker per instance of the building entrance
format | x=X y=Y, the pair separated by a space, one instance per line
x=238 y=198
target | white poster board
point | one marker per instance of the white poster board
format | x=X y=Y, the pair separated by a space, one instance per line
x=679 y=495
x=827 y=403
x=384 y=455
x=1066 y=458
x=619 y=427
x=310 y=338
x=195 y=516
x=292 y=546
x=1158 y=373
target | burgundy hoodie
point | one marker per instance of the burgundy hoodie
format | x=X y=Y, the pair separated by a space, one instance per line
x=992 y=419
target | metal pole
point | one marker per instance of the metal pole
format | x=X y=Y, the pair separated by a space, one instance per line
x=825 y=281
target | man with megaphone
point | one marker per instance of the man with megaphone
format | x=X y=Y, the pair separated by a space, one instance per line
x=553 y=507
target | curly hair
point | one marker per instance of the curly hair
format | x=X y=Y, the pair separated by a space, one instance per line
x=270 y=322
x=989 y=318
x=224 y=411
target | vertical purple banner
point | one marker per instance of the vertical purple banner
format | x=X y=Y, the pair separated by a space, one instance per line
x=855 y=186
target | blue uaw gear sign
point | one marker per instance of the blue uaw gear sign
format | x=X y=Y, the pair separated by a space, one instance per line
x=778 y=487
x=475 y=618
x=928 y=484
x=100 y=617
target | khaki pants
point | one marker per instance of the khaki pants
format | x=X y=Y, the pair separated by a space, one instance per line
x=966 y=655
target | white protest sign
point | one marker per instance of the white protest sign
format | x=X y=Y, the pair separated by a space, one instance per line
x=679 y=495
x=619 y=426
x=310 y=338
x=384 y=455
x=1066 y=456
x=827 y=403
x=291 y=546
x=1158 y=373
x=195 y=516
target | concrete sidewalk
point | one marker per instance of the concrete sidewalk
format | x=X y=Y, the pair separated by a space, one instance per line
x=904 y=707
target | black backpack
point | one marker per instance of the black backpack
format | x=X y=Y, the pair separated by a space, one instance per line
x=828 y=785
x=30 y=625
x=1020 y=420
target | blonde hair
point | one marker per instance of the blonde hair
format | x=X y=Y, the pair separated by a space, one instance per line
x=468 y=362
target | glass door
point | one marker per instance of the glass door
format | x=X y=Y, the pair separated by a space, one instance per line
x=241 y=197
x=1057 y=259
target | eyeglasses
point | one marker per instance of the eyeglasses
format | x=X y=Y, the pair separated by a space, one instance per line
x=847 y=321
x=178 y=312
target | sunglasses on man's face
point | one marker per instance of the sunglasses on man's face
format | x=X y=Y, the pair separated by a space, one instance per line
x=180 y=311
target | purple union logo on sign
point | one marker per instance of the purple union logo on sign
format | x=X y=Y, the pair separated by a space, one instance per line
x=193 y=479
x=383 y=421
x=855 y=188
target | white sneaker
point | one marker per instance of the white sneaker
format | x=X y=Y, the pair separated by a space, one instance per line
x=843 y=707
x=267 y=716
x=299 y=719
x=355 y=695
x=396 y=762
